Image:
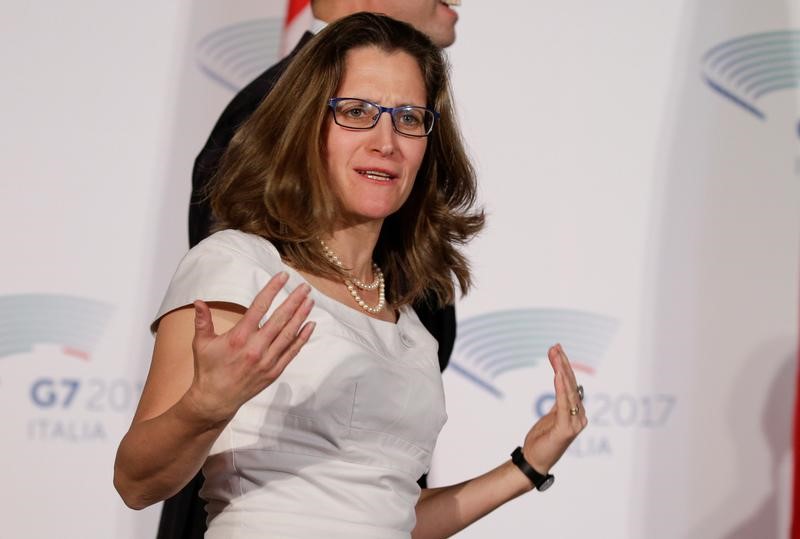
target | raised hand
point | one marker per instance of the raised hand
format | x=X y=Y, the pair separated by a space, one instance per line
x=231 y=368
x=553 y=433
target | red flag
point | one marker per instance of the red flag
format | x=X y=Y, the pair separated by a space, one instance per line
x=298 y=20
x=294 y=8
x=795 y=532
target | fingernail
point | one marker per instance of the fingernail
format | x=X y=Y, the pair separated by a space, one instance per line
x=305 y=288
x=283 y=277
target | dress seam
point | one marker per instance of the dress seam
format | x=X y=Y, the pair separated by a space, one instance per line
x=238 y=528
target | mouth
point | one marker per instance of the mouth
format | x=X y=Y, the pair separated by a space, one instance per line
x=377 y=175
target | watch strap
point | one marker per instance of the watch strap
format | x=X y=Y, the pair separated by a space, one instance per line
x=540 y=481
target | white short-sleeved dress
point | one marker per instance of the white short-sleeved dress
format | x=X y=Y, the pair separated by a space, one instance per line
x=335 y=446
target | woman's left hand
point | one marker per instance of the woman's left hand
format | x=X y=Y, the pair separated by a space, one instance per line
x=444 y=511
x=554 y=432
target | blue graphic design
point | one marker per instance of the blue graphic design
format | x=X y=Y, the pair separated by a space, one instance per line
x=747 y=68
x=235 y=55
x=492 y=344
x=74 y=323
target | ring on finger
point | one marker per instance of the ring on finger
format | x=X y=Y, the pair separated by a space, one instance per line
x=580 y=392
x=573 y=411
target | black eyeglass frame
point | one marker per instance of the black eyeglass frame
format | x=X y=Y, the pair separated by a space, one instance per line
x=332 y=102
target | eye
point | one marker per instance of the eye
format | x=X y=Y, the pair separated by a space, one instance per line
x=411 y=117
x=354 y=112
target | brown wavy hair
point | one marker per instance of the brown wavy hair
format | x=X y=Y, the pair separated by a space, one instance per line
x=272 y=180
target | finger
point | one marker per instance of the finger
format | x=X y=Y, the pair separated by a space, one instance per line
x=556 y=361
x=567 y=367
x=553 y=357
x=574 y=408
x=563 y=404
x=274 y=349
x=261 y=303
x=282 y=315
x=203 y=324
x=294 y=348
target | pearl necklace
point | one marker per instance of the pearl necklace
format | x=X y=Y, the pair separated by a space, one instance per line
x=354 y=284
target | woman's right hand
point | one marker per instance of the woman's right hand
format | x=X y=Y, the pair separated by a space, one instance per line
x=231 y=368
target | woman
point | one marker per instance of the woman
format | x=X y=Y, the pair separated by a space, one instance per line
x=321 y=428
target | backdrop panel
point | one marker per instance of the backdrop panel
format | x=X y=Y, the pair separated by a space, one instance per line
x=104 y=107
x=645 y=216
x=641 y=169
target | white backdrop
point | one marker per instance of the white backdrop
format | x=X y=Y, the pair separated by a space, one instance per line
x=644 y=203
x=622 y=185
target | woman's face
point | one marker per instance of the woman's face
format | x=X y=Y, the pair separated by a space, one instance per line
x=372 y=171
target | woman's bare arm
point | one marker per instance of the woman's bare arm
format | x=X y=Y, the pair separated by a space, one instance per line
x=443 y=511
x=198 y=380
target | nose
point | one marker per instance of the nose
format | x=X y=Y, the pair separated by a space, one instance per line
x=383 y=135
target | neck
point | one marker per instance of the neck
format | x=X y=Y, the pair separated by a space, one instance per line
x=354 y=245
x=331 y=10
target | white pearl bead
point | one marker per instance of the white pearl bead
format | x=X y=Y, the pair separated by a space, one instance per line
x=354 y=284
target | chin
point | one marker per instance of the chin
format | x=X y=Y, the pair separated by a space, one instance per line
x=376 y=212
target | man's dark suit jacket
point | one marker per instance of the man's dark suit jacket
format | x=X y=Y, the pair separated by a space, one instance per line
x=183 y=515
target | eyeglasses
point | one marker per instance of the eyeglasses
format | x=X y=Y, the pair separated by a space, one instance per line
x=408 y=120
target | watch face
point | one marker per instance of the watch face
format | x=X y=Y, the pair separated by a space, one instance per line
x=548 y=482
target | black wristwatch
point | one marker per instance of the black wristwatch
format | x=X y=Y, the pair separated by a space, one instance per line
x=541 y=482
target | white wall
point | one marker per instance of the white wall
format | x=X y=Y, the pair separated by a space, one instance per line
x=621 y=185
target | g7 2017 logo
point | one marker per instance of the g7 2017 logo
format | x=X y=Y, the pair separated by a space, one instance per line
x=66 y=405
x=494 y=344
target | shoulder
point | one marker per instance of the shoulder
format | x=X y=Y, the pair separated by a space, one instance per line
x=248 y=98
x=229 y=266
x=237 y=245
